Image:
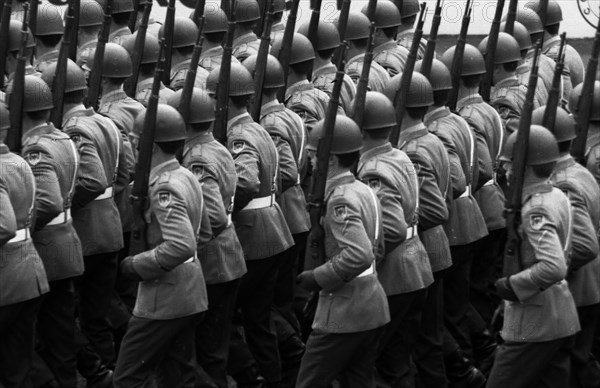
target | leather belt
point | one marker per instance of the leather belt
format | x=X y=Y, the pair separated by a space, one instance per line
x=108 y=193
x=411 y=232
x=22 y=235
x=260 y=203
x=61 y=218
x=467 y=192
x=368 y=271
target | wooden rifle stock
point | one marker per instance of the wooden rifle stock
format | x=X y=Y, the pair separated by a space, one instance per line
x=138 y=51
x=74 y=31
x=555 y=95
x=33 y=11
x=168 y=29
x=60 y=77
x=458 y=57
x=15 y=101
x=313 y=26
x=261 y=63
x=490 y=54
x=512 y=256
x=286 y=47
x=220 y=125
x=402 y=94
x=190 y=77
x=91 y=99
x=432 y=40
x=511 y=17
x=4 y=27
x=133 y=17
x=139 y=193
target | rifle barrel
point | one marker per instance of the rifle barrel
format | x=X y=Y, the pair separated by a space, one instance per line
x=138 y=51
x=490 y=53
x=15 y=101
x=96 y=73
x=190 y=77
x=458 y=57
x=261 y=63
x=4 y=25
x=432 y=40
x=168 y=28
x=286 y=47
x=220 y=125
x=60 y=77
x=554 y=97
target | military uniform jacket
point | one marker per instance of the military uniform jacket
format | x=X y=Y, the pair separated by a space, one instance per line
x=466 y=223
x=211 y=59
x=391 y=57
x=22 y=274
x=545 y=310
x=95 y=215
x=324 y=78
x=258 y=220
x=545 y=76
x=289 y=135
x=487 y=125
x=44 y=61
x=392 y=176
x=574 y=69
x=579 y=186
x=221 y=257
x=173 y=285
x=508 y=98
x=179 y=72
x=378 y=76
x=592 y=153
x=245 y=46
x=308 y=102
x=142 y=94
x=405 y=39
x=430 y=159
x=352 y=299
x=54 y=161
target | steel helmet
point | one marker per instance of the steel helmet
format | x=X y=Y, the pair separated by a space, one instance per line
x=203 y=106
x=169 y=124
x=273 y=73
x=121 y=6
x=564 y=126
x=188 y=3
x=246 y=11
x=14 y=36
x=576 y=96
x=4 y=118
x=358 y=26
x=49 y=20
x=36 y=94
x=420 y=92
x=215 y=19
x=542 y=147
x=529 y=19
x=346 y=136
x=521 y=34
x=386 y=14
x=379 y=112
x=116 y=62
x=408 y=8
x=151 y=47
x=302 y=49
x=75 y=76
x=328 y=36
x=440 y=77
x=507 y=51
x=240 y=81
x=473 y=62
x=554 y=13
x=184 y=32
x=90 y=13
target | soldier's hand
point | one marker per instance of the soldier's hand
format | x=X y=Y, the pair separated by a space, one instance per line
x=307 y=281
x=128 y=270
x=505 y=290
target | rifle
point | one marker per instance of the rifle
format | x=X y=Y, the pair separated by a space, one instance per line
x=490 y=56
x=286 y=47
x=133 y=17
x=585 y=101
x=313 y=27
x=261 y=63
x=15 y=101
x=511 y=17
x=33 y=11
x=226 y=7
x=168 y=36
x=139 y=193
x=60 y=77
x=91 y=100
x=458 y=57
x=138 y=51
x=74 y=31
x=432 y=40
x=512 y=254
x=402 y=93
x=363 y=82
x=190 y=77
x=4 y=25
x=555 y=93
x=220 y=126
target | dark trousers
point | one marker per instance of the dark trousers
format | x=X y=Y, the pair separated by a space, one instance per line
x=585 y=371
x=399 y=336
x=532 y=364
x=428 y=354
x=17 y=332
x=347 y=357
x=56 y=332
x=165 y=346
x=212 y=335
x=255 y=299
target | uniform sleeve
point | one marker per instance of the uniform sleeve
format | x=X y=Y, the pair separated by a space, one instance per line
x=484 y=159
x=213 y=201
x=355 y=248
x=247 y=170
x=8 y=221
x=551 y=267
x=126 y=169
x=593 y=163
x=288 y=169
x=179 y=239
x=48 y=198
x=432 y=207
x=576 y=67
x=584 y=242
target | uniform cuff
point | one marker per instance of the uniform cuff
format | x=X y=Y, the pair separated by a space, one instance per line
x=524 y=286
x=327 y=278
x=147 y=266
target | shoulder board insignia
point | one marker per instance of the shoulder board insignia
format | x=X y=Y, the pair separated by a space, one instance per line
x=238 y=146
x=536 y=221
x=164 y=198
x=34 y=158
x=375 y=184
x=340 y=213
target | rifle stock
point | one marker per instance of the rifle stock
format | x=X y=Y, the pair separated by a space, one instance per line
x=432 y=40
x=133 y=17
x=511 y=17
x=261 y=63
x=4 y=25
x=60 y=77
x=512 y=256
x=74 y=31
x=33 y=11
x=490 y=53
x=313 y=27
x=190 y=77
x=286 y=47
x=15 y=101
x=220 y=126
x=402 y=93
x=91 y=99
x=139 y=193
x=168 y=29
x=458 y=57
x=138 y=51
x=555 y=93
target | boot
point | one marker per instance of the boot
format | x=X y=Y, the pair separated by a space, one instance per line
x=248 y=378
x=461 y=373
x=92 y=369
x=484 y=351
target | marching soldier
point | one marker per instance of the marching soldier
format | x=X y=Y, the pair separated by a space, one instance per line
x=357 y=34
x=258 y=220
x=22 y=276
x=54 y=161
x=90 y=23
x=386 y=51
x=405 y=271
x=278 y=26
x=323 y=73
x=13 y=46
x=245 y=41
x=146 y=74
x=222 y=258
x=592 y=147
x=120 y=13
x=185 y=32
x=409 y=10
x=352 y=307
x=48 y=33
x=153 y=25
x=172 y=295
x=99 y=144
x=540 y=317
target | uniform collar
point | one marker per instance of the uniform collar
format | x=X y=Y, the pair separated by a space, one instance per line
x=212 y=52
x=356 y=58
x=237 y=119
x=436 y=114
x=300 y=85
x=368 y=153
x=4 y=149
x=404 y=33
x=550 y=42
x=114 y=96
x=119 y=32
x=270 y=107
x=169 y=165
x=326 y=68
x=78 y=110
x=50 y=55
x=42 y=129
x=507 y=83
x=338 y=180
x=391 y=45
x=564 y=162
x=180 y=66
x=278 y=27
x=411 y=133
x=202 y=137
x=469 y=100
x=529 y=189
x=246 y=38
